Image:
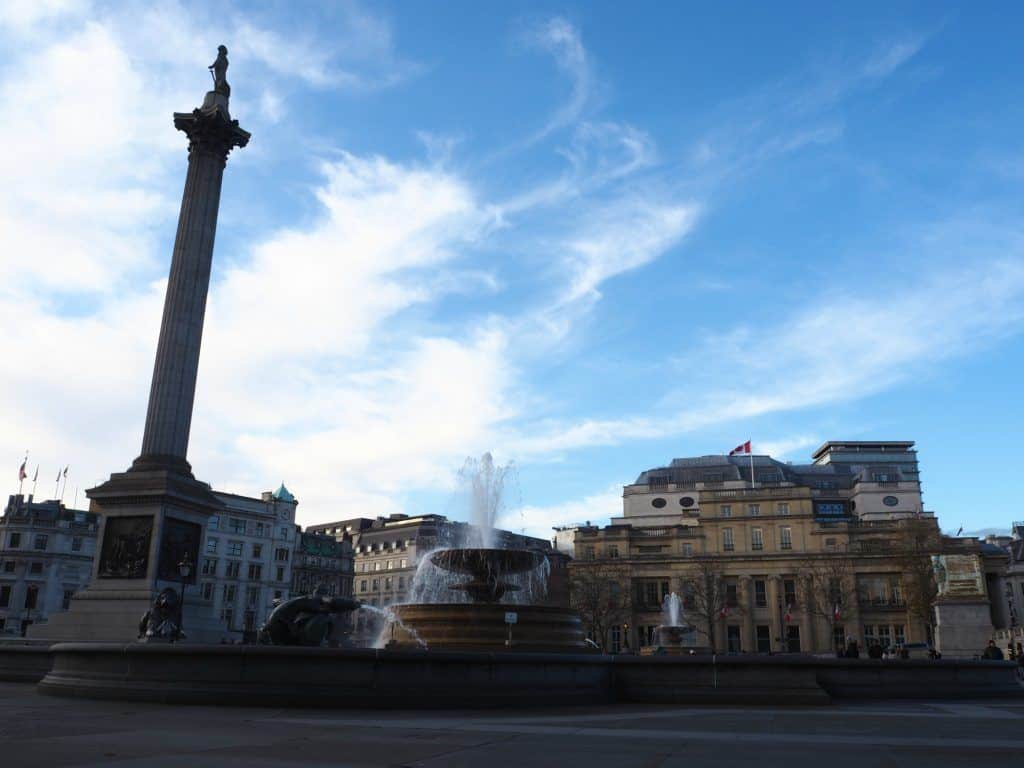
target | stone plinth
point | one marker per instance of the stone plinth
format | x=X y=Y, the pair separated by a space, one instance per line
x=150 y=522
x=963 y=627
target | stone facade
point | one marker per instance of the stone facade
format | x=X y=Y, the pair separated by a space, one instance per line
x=322 y=560
x=799 y=558
x=246 y=561
x=46 y=554
x=1011 y=585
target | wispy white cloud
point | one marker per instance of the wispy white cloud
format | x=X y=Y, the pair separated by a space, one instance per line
x=891 y=57
x=843 y=348
x=785 y=447
x=620 y=237
x=563 y=42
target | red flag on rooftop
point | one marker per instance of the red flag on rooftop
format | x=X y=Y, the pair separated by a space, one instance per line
x=22 y=474
x=742 y=448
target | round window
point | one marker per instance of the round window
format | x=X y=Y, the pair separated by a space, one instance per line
x=686 y=501
x=890 y=501
x=658 y=502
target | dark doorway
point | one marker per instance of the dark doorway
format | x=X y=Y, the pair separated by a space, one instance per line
x=793 y=639
x=764 y=639
x=733 y=639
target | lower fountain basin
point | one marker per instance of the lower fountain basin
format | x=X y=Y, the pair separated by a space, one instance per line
x=674 y=640
x=482 y=627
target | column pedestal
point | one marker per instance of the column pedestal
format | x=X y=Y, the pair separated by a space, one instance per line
x=962 y=627
x=151 y=521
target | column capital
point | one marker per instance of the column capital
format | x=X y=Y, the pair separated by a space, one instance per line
x=210 y=129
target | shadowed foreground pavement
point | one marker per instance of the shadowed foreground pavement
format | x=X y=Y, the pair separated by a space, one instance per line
x=45 y=731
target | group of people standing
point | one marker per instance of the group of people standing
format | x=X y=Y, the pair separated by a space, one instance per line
x=875 y=651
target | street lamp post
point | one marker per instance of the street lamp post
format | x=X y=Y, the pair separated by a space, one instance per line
x=184 y=570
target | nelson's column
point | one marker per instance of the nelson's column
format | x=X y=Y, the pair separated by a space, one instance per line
x=154 y=514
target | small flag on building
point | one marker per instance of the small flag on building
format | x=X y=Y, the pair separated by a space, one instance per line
x=837 y=612
x=789 y=614
x=22 y=474
x=742 y=448
x=724 y=612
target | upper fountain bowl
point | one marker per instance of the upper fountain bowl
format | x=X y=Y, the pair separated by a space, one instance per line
x=487 y=569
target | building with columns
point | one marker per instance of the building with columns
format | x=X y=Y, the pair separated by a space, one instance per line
x=799 y=558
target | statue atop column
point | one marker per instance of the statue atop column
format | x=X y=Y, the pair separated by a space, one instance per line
x=219 y=71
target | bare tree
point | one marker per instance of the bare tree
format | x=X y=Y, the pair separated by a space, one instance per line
x=827 y=587
x=706 y=594
x=919 y=539
x=599 y=593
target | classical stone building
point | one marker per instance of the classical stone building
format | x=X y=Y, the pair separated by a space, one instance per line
x=246 y=561
x=1011 y=584
x=46 y=553
x=321 y=560
x=770 y=556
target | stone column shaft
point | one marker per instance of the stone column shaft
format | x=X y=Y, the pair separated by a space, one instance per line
x=172 y=392
x=212 y=135
x=748 y=640
x=774 y=593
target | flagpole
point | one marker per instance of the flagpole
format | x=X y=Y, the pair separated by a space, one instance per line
x=751 y=466
x=35 y=479
x=75 y=505
x=65 y=485
x=56 y=486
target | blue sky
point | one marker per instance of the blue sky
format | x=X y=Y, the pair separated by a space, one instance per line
x=584 y=238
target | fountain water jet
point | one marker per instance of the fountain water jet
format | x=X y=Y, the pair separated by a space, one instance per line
x=673 y=635
x=462 y=596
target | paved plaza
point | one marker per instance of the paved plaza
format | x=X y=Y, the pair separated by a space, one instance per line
x=44 y=731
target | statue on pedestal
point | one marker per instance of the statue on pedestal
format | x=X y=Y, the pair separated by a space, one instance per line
x=219 y=71
x=306 y=620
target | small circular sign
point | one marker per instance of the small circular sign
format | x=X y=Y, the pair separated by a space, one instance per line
x=686 y=501
x=890 y=501
x=658 y=502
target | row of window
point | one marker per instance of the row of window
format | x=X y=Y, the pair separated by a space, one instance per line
x=33 y=568
x=757 y=539
x=40 y=541
x=234 y=549
x=383 y=546
x=31 y=596
x=754 y=510
x=239 y=527
x=385 y=565
x=388 y=584
x=233 y=568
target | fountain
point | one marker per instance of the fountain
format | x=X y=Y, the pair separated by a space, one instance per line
x=673 y=636
x=483 y=597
